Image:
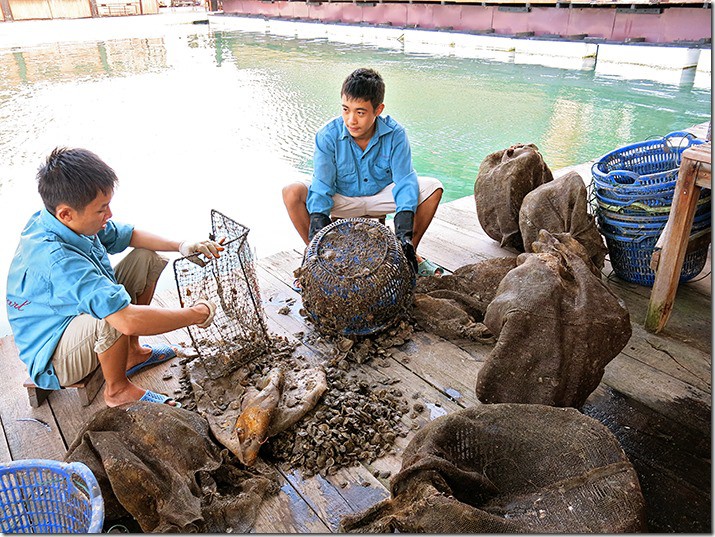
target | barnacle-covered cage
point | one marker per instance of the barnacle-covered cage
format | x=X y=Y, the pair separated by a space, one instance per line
x=355 y=278
x=238 y=333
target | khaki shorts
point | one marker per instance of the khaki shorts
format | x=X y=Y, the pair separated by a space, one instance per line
x=378 y=204
x=85 y=337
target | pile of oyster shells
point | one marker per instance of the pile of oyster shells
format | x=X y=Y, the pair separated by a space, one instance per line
x=358 y=418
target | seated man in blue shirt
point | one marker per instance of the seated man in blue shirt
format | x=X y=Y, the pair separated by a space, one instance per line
x=69 y=310
x=363 y=167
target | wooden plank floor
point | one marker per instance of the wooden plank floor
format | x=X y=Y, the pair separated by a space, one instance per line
x=655 y=396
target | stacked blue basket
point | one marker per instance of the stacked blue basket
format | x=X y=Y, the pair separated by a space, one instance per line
x=46 y=496
x=633 y=188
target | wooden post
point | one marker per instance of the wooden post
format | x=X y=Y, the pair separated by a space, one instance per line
x=695 y=166
x=6 y=11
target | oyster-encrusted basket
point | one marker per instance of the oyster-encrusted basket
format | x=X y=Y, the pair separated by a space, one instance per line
x=355 y=278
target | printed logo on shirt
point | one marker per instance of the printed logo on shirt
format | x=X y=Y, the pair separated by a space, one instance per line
x=15 y=305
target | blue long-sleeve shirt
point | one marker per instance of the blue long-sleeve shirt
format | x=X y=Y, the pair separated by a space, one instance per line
x=56 y=275
x=340 y=166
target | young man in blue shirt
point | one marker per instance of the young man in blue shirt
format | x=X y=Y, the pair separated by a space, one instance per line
x=362 y=166
x=69 y=310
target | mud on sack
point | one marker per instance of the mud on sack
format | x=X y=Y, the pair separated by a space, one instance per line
x=504 y=179
x=355 y=279
x=558 y=326
x=489 y=469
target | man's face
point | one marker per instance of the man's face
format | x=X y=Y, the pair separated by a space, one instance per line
x=92 y=218
x=359 y=117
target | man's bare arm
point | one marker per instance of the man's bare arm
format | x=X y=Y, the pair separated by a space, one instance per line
x=151 y=320
x=150 y=241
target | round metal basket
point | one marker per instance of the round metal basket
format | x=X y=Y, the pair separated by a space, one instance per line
x=355 y=278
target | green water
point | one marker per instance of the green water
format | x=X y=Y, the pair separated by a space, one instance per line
x=194 y=119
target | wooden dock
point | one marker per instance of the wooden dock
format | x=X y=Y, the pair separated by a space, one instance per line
x=655 y=396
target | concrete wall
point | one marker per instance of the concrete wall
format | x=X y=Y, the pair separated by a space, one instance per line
x=667 y=64
x=673 y=24
x=73 y=9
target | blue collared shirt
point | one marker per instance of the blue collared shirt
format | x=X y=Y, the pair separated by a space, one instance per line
x=56 y=275
x=340 y=166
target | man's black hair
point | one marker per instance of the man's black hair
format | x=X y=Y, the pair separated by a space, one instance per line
x=364 y=84
x=75 y=177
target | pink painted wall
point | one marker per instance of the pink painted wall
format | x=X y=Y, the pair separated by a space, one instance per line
x=687 y=24
x=395 y=13
x=476 y=18
x=446 y=16
x=420 y=16
x=334 y=12
x=509 y=22
x=592 y=22
x=548 y=20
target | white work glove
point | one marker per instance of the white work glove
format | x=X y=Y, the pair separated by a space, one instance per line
x=208 y=248
x=212 y=312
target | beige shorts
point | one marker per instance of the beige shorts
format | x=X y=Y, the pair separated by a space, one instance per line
x=85 y=337
x=378 y=204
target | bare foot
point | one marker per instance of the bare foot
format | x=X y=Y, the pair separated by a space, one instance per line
x=129 y=393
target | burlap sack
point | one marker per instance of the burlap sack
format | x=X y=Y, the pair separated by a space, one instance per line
x=157 y=464
x=510 y=468
x=504 y=178
x=453 y=306
x=561 y=206
x=557 y=325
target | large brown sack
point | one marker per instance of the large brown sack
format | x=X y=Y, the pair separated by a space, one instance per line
x=510 y=468
x=158 y=465
x=504 y=179
x=453 y=306
x=557 y=325
x=561 y=206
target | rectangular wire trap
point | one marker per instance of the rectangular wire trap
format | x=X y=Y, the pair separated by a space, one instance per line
x=238 y=333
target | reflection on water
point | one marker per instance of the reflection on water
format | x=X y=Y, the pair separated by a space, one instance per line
x=193 y=118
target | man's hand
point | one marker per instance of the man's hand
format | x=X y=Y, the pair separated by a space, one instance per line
x=208 y=248
x=404 y=222
x=317 y=222
x=212 y=312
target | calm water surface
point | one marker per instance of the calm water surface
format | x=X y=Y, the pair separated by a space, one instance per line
x=193 y=118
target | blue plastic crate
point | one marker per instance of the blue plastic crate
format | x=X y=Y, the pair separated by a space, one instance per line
x=47 y=496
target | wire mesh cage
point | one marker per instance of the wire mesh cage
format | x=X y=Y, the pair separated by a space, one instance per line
x=238 y=333
x=47 y=496
x=355 y=278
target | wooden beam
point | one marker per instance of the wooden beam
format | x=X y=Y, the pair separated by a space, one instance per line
x=693 y=174
x=6 y=11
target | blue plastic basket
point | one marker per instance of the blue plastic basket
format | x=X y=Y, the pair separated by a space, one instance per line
x=639 y=209
x=46 y=496
x=646 y=163
x=643 y=172
x=630 y=258
x=630 y=225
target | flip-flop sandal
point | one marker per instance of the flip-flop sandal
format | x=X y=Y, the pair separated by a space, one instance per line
x=296 y=286
x=153 y=397
x=428 y=268
x=159 y=355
